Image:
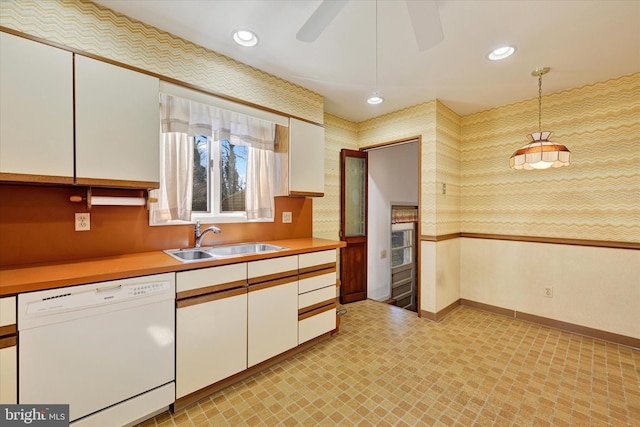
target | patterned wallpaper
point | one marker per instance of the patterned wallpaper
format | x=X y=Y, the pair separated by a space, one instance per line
x=94 y=29
x=339 y=134
x=439 y=130
x=411 y=122
x=447 y=171
x=597 y=197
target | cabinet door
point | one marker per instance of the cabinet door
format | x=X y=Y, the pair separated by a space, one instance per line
x=211 y=342
x=36 y=111
x=273 y=321
x=306 y=158
x=8 y=352
x=117 y=125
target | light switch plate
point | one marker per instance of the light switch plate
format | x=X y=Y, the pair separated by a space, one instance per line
x=286 y=217
x=83 y=222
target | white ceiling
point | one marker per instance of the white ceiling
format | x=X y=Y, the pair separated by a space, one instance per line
x=582 y=41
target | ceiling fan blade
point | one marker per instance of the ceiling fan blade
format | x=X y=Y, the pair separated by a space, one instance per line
x=319 y=20
x=425 y=20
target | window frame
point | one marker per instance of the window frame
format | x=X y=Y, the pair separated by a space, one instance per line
x=214 y=214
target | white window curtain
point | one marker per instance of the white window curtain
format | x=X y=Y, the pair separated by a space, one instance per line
x=181 y=120
x=261 y=165
x=176 y=179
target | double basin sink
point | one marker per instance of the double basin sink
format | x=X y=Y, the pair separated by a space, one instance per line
x=222 y=251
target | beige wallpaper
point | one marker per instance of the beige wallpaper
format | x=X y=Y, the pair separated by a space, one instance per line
x=596 y=198
x=339 y=134
x=439 y=130
x=415 y=121
x=93 y=29
x=447 y=171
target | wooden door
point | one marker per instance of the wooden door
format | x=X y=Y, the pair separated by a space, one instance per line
x=353 y=226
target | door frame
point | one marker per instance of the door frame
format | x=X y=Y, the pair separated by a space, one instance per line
x=419 y=237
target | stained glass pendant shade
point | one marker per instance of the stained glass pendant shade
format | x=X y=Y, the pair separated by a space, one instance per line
x=540 y=152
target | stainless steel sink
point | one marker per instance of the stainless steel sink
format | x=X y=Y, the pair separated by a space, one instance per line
x=242 y=249
x=189 y=255
x=222 y=251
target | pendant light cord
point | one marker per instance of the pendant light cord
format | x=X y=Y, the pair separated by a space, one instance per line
x=377 y=91
x=540 y=103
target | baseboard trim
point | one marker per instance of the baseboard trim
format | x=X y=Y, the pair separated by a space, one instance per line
x=487 y=307
x=556 y=324
x=436 y=317
x=581 y=330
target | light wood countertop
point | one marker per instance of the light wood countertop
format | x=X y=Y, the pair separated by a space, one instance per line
x=35 y=277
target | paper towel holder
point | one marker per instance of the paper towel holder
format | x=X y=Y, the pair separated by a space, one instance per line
x=113 y=201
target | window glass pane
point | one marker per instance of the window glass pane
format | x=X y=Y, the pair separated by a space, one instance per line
x=233 y=175
x=355 y=203
x=401 y=257
x=201 y=172
x=401 y=238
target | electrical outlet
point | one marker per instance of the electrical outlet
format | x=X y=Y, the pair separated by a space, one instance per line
x=286 y=217
x=548 y=292
x=83 y=222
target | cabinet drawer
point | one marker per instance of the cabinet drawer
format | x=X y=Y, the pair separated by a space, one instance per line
x=317 y=325
x=7 y=311
x=316 y=258
x=269 y=269
x=316 y=282
x=211 y=277
x=315 y=297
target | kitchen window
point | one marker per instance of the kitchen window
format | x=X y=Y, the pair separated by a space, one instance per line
x=216 y=165
x=219 y=178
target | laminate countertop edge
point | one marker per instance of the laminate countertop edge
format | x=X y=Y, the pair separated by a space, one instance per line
x=35 y=277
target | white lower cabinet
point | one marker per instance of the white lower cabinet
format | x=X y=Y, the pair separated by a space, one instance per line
x=234 y=317
x=273 y=307
x=211 y=342
x=8 y=352
x=211 y=326
x=317 y=294
x=273 y=326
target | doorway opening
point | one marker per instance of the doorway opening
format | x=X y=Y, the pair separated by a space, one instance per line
x=393 y=223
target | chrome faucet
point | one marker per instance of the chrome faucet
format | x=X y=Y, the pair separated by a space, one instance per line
x=200 y=235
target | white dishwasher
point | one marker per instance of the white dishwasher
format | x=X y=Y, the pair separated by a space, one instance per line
x=107 y=349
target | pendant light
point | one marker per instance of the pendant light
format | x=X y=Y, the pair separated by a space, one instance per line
x=375 y=98
x=540 y=153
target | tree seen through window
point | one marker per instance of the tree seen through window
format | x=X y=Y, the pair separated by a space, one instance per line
x=219 y=176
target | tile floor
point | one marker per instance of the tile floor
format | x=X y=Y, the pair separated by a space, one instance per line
x=388 y=367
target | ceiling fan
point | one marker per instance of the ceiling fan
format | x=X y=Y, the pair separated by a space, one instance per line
x=424 y=15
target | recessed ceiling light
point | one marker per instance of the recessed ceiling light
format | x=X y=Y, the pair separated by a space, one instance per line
x=501 y=53
x=245 y=38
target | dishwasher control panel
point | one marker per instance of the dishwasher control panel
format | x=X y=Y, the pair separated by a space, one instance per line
x=84 y=296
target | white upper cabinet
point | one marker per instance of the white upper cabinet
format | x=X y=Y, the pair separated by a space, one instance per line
x=117 y=125
x=36 y=111
x=301 y=160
